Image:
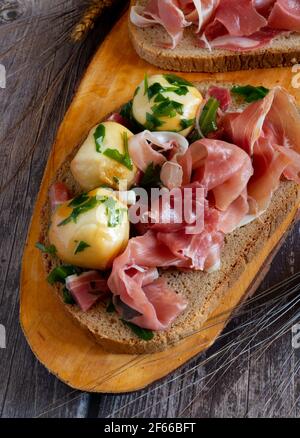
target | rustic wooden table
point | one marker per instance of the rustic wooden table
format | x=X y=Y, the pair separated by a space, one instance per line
x=253 y=370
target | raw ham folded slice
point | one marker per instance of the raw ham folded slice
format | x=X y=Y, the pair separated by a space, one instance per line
x=58 y=194
x=285 y=15
x=239 y=43
x=220 y=167
x=157 y=305
x=87 y=288
x=269 y=131
x=148 y=147
x=235 y=18
x=164 y=246
x=223 y=95
x=163 y=12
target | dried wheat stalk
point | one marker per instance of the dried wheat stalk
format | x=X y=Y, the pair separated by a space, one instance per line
x=87 y=22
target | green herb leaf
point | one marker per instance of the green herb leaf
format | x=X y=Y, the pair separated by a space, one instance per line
x=124 y=159
x=136 y=91
x=250 y=93
x=151 y=177
x=181 y=91
x=115 y=215
x=152 y=122
x=142 y=333
x=208 y=118
x=68 y=299
x=126 y=110
x=81 y=247
x=99 y=136
x=46 y=249
x=186 y=123
x=60 y=273
x=82 y=208
x=79 y=200
x=167 y=108
x=176 y=80
x=110 y=307
x=154 y=89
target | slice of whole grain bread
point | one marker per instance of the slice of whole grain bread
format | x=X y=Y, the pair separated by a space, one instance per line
x=204 y=291
x=282 y=51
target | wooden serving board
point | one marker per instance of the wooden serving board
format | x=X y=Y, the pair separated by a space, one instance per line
x=56 y=340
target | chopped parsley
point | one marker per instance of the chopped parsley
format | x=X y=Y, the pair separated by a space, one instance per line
x=176 y=80
x=208 y=118
x=250 y=93
x=167 y=108
x=151 y=177
x=81 y=247
x=46 y=249
x=81 y=199
x=142 y=333
x=67 y=297
x=115 y=215
x=99 y=136
x=115 y=155
x=87 y=205
x=60 y=273
x=110 y=307
x=152 y=122
x=186 y=123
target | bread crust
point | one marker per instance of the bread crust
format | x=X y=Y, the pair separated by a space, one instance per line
x=283 y=51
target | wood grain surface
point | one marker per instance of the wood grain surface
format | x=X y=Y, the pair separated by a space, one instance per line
x=35 y=55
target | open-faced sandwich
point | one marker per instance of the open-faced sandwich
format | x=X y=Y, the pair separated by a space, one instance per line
x=157 y=215
x=216 y=35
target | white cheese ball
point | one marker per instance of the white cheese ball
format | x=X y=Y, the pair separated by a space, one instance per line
x=166 y=103
x=96 y=237
x=92 y=168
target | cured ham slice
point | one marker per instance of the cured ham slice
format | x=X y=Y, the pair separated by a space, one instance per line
x=87 y=288
x=285 y=15
x=241 y=44
x=269 y=131
x=164 y=245
x=220 y=167
x=127 y=282
x=201 y=11
x=163 y=12
x=148 y=147
x=236 y=18
x=222 y=95
x=58 y=194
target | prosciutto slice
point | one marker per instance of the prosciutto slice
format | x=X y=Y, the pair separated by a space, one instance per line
x=220 y=167
x=269 y=131
x=87 y=288
x=285 y=15
x=58 y=194
x=149 y=147
x=163 y=12
x=239 y=25
x=164 y=245
x=127 y=281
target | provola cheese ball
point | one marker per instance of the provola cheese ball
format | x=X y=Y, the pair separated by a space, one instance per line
x=166 y=103
x=91 y=230
x=103 y=158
